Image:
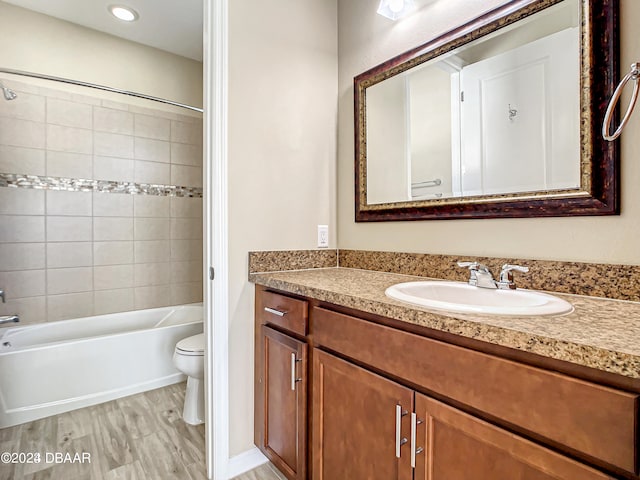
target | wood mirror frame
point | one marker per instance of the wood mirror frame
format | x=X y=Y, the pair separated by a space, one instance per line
x=598 y=193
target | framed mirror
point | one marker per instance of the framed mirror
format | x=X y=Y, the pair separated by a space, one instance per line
x=500 y=117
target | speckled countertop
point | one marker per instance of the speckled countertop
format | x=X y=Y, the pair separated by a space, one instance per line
x=600 y=333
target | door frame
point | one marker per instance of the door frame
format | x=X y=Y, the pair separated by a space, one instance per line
x=216 y=230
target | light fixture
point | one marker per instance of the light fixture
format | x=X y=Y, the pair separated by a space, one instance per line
x=126 y=14
x=394 y=9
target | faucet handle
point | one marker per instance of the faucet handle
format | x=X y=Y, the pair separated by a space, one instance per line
x=506 y=275
x=474 y=266
x=2 y=296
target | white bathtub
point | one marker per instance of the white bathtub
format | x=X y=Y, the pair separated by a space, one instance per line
x=56 y=367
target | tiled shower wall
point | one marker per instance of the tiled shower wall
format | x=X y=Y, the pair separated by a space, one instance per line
x=68 y=254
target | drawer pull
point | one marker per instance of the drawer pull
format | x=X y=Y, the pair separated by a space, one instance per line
x=274 y=311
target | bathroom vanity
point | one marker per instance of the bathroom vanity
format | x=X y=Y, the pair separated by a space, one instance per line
x=350 y=384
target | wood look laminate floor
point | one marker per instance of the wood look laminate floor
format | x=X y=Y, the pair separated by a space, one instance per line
x=141 y=437
x=138 y=437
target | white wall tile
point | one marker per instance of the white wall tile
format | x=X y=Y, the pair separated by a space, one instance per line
x=112 y=121
x=25 y=283
x=152 y=172
x=111 y=277
x=21 y=201
x=114 y=105
x=148 y=251
x=27 y=106
x=182 y=272
x=152 y=127
x=112 y=228
x=113 y=145
x=73 y=305
x=61 y=202
x=182 y=154
x=112 y=253
x=69 y=254
x=30 y=310
x=113 y=301
x=151 y=228
x=151 y=206
x=184 y=250
x=186 y=228
x=69 y=114
x=68 y=229
x=113 y=169
x=152 y=150
x=184 y=176
x=21 y=228
x=182 y=293
x=186 y=132
x=107 y=204
x=69 y=139
x=22 y=133
x=152 y=274
x=190 y=207
x=69 y=280
x=27 y=161
x=70 y=165
x=152 y=297
x=21 y=256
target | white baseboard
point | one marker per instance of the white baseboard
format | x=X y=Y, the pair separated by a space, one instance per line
x=244 y=462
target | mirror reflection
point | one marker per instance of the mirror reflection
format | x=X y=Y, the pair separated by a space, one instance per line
x=500 y=115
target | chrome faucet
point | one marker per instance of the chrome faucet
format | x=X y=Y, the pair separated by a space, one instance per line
x=7 y=318
x=480 y=275
x=506 y=276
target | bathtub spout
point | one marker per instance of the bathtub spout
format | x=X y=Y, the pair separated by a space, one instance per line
x=9 y=319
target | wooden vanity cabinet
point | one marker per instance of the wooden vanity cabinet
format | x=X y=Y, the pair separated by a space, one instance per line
x=385 y=404
x=368 y=427
x=281 y=382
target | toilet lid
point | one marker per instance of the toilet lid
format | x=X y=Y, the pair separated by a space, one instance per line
x=191 y=345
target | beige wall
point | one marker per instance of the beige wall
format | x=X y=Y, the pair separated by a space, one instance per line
x=38 y=43
x=365 y=40
x=282 y=149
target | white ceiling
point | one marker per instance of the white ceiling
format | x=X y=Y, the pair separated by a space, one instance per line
x=171 y=25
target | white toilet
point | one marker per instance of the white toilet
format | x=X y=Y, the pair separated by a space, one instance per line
x=188 y=357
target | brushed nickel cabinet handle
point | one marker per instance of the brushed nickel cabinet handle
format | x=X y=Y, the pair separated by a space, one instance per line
x=414 y=450
x=274 y=311
x=399 y=439
x=293 y=372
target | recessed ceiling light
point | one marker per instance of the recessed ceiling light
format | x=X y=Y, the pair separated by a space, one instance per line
x=394 y=9
x=126 y=14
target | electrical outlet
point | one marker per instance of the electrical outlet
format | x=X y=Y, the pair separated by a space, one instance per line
x=323 y=236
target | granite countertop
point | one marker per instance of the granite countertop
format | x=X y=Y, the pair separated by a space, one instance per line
x=600 y=333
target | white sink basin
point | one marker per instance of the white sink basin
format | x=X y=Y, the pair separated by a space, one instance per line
x=464 y=298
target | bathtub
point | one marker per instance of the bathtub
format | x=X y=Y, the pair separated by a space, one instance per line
x=50 y=368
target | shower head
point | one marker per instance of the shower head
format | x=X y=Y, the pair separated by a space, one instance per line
x=8 y=93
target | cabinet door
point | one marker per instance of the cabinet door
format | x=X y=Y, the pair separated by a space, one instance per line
x=455 y=446
x=285 y=402
x=360 y=423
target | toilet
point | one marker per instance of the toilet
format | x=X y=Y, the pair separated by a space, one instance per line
x=188 y=357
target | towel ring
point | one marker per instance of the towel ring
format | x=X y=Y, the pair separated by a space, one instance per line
x=634 y=75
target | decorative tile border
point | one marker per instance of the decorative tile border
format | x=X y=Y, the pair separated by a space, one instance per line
x=81 y=185
x=620 y=282
x=275 y=261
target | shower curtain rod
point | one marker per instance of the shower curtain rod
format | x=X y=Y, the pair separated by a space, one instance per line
x=99 y=87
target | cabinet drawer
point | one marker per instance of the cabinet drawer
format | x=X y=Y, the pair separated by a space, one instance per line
x=286 y=312
x=593 y=421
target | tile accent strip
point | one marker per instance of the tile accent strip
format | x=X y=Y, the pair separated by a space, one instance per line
x=81 y=185
x=275 y=261
x=620 y=282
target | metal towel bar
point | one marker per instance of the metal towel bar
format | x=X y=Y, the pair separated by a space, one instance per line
x=634 y=74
